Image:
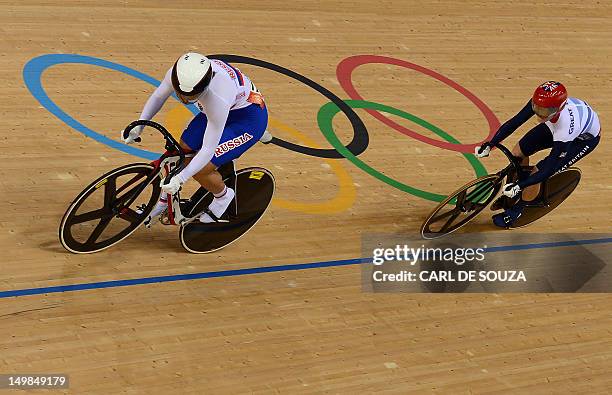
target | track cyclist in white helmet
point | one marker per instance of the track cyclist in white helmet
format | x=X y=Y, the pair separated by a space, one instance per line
x=232 y=118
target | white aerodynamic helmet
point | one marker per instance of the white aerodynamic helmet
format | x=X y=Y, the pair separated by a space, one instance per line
x=191 y=75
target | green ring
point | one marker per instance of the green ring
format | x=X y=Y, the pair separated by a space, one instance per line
x=326 y=115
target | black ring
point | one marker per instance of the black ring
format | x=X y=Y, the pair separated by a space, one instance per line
x=360 y=140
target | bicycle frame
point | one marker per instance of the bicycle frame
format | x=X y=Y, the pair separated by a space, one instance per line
x=172 y=161
x=515 y=165
x=169 y=163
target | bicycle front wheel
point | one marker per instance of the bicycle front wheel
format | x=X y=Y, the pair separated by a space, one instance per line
x=105 y=212
x=461 y=206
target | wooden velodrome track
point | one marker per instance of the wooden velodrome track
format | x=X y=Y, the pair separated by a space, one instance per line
x=299 y=331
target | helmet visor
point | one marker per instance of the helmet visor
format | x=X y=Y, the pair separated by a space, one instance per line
x=544 y=112
x=188 y=99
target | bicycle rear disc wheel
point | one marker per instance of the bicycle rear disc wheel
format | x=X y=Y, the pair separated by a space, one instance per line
x=558 y=188
x=461 y=206
x=255 y=188
x=105 y=212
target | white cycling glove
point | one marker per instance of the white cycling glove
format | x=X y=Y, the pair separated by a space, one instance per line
x=511 y=190
x=483 y=150
x=133 y=136
x=173 y=185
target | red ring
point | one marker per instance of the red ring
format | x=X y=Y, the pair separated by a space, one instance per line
x=347 y=66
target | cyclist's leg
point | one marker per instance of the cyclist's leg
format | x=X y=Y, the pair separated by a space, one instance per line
x=243 y=129
x=577 y=150
x=191 y=140
x=537 y=139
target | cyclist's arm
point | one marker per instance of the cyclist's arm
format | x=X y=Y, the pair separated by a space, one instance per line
x=550 y=164
x=513 y=123
x=158 y=98
x=217 y=116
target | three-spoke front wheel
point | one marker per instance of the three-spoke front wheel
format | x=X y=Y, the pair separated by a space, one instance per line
x=461 y=206
x=110 y=208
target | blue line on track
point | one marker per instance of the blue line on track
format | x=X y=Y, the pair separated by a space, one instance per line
x=549 y=244
x=265 y=269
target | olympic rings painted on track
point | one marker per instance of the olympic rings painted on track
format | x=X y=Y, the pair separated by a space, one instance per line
x=33 y=70
x=329 y=110
x=347 y=66
x=360 y=140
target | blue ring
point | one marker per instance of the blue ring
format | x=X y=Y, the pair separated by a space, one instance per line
x=32 y=73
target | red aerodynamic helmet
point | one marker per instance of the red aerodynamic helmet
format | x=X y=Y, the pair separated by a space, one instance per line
x=548 y=99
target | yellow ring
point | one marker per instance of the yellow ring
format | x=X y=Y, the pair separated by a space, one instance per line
x=177 y=118
x=345 y=197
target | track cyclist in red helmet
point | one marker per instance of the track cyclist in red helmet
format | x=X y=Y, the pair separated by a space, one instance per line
x=567 y=125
